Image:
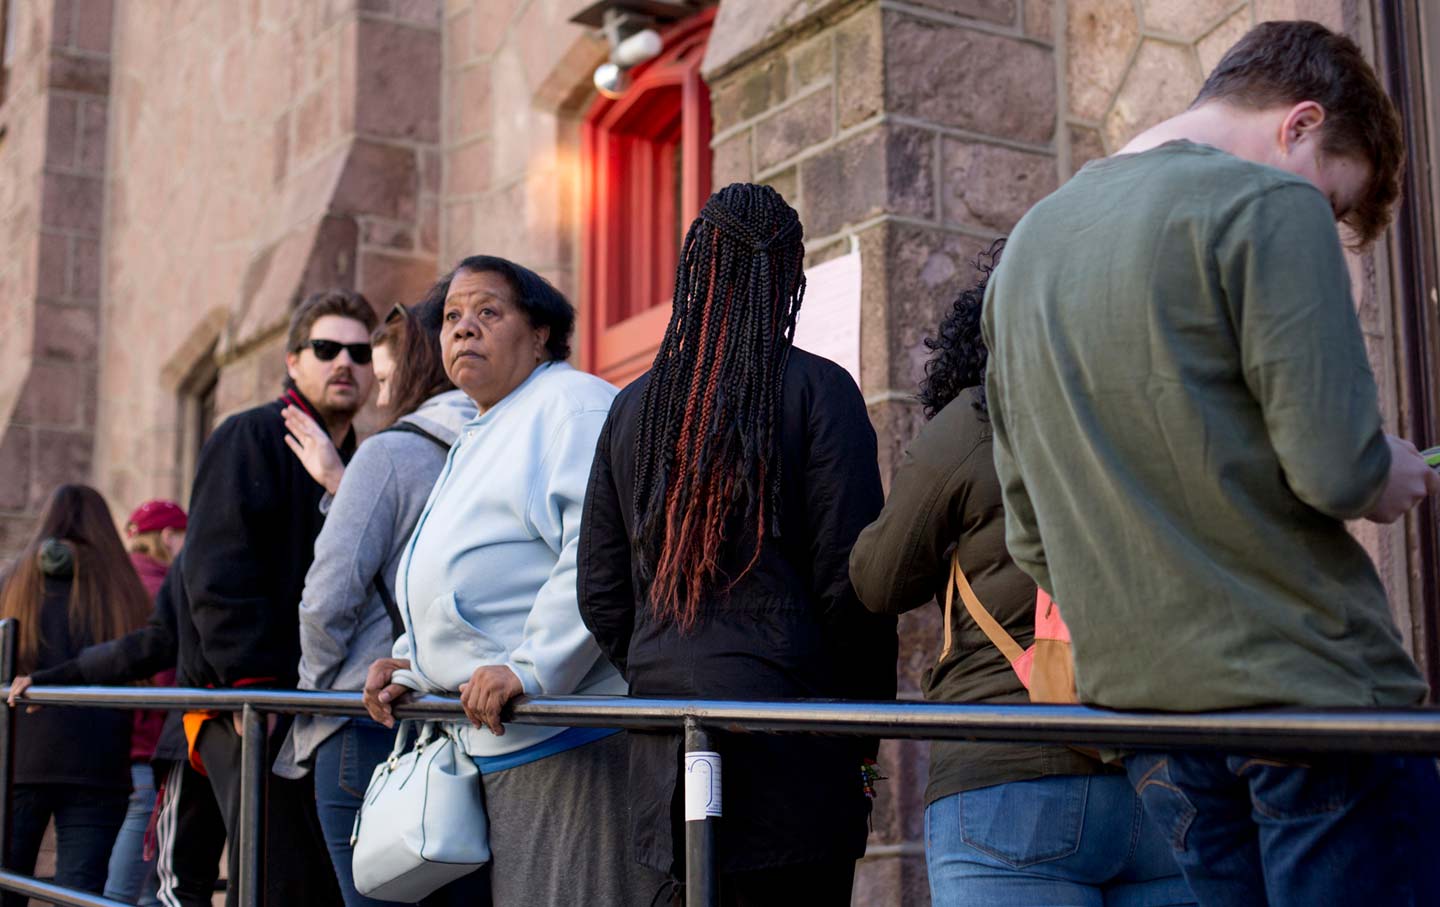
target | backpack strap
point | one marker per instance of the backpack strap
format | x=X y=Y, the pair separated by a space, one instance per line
x=397 y=623
x=988 y=624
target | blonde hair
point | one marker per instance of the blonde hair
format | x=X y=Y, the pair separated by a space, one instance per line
x=149 y=544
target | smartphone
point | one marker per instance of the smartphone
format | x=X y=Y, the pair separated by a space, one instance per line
x=1432 y=456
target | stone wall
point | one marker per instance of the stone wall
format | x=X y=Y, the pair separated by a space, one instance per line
x=51 y=164
x=259 y=151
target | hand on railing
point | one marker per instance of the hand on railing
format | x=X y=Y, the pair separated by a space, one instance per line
x=380 y=693
x=18 y=686
x=486 y=694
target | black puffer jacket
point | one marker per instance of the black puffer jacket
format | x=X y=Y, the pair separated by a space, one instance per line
x=791 y=628
x=254 y=516
x=82 y=746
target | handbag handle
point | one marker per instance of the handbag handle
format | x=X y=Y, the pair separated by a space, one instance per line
x=402 y=737
x=988 y=624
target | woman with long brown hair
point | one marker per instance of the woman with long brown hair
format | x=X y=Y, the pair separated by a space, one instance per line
x=72 y=586
x=727 y=488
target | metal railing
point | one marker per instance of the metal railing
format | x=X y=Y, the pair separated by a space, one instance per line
x=1414 y=731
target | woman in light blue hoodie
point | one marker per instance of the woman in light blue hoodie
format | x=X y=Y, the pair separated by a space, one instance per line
x=347 y=614
x=487 y=591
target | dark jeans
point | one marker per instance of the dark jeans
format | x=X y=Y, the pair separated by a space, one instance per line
x=343 y=765
x=295 y=868
x=86 y=822
x=1358 y=830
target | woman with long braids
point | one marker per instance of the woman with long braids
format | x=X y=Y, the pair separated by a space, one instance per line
x=727 y=488
x=1006 y=824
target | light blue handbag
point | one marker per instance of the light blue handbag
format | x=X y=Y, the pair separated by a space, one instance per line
x=422 y=824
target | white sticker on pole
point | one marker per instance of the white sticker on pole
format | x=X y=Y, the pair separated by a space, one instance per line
x=702 y=785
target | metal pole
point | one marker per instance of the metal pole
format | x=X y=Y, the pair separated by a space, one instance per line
x=253 y=750
x=50 y=893
x=702 y=812
x=9 y=636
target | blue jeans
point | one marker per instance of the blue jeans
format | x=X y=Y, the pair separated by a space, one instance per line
x=1359 y=830
x=86 y=820
x=128 y=867
x=343 y=765
x=1072 y=840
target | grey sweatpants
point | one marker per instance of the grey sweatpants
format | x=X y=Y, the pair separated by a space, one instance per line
x=560 y=831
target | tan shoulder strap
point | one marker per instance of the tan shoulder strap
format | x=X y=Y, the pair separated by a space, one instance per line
x=988 y=625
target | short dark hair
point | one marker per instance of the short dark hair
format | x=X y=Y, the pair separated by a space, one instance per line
x=537 y=297
x=1279 y=63
x=345 y=303
x=413 y=335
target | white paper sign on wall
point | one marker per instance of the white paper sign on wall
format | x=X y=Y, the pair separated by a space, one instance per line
x=829 y=321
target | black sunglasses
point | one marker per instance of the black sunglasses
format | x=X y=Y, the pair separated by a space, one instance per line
x=325 y=350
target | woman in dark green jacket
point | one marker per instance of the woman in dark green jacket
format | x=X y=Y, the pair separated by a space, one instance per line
x=1005 y=823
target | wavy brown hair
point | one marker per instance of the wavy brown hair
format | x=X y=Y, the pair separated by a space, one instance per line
x=413 y=336
x=106 y=597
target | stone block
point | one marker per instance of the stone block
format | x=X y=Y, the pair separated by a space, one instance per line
x=66 y=333
x=732 y=161
x=457 y=38
x=469 y=110
x=378 y=179
x=1188 y=20
x=1040 y=19
x=62 y=132
x=386 y=234
x=93 y=26
x=316 y=122
x=458 y=238
x=331 y=258
x=16 y=454
x=397 y=86
x=90 y=154
x=991 y=187
x=884 y=170
x=431 y=167
x=429 y=224
x=1086 y=145
x=1000 y=12
x=80 y=74
x=72 y=202
x=467 y=168
x=85 y=266
x=787 y=183
x=54 y=395
x=1161 y=83
x=421 y=12
x=1213 y=46
x=1101 y=36
x=785 y=133
x=280 y=148
x=490 y=24
x=748 y=93
x=892 y=879
x=52 y=275
x=925 y=270
x=969 y=80
x=386 y=279
x=860 y=66
x=1329 y=13
x=810 y=64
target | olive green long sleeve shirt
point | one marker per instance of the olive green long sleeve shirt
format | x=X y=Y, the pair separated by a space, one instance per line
x=1184 y=416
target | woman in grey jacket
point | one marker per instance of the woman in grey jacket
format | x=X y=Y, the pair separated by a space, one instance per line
x=347 y=617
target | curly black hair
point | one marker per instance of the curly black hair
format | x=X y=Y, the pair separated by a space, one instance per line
x=958 y=353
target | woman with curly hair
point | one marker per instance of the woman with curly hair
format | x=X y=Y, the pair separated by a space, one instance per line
x=1005 y=823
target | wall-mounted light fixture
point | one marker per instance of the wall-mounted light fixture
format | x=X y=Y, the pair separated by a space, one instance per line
x=629 y=27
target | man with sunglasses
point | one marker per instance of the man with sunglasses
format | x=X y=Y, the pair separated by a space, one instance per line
x=255 y=513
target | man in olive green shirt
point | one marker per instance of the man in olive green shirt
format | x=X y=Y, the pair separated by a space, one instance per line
x=1184 y=418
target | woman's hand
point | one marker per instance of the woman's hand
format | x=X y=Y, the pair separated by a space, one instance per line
x=485 y=695
x=380 y=693
x=311 y=444
x=18 y=686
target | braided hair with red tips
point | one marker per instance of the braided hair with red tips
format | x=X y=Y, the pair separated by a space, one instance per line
x=707 y=460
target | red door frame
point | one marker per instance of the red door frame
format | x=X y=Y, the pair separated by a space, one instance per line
x=616 y=264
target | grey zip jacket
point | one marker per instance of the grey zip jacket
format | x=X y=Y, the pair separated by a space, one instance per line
x=343 y=624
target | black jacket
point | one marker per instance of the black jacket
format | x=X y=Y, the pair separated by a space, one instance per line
x=82 y=746
x=137 y=655
x=254 y=516
x=791 y=628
